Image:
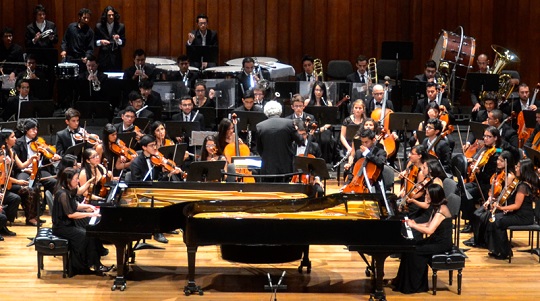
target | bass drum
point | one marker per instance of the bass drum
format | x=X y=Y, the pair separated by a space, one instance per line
x=447 y=48
x=67 y=71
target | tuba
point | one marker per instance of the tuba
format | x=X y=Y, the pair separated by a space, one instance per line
x=503 y=56
x=318 y=69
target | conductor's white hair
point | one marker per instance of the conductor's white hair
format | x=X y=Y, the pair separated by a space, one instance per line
x=272 y=108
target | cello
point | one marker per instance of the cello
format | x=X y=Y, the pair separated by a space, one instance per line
x=365 y=174
x=381 y=115
x=523 y=132
x=238 y=150
x=304 y=178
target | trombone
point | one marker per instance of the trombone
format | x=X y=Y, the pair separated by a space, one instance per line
x=372 y=74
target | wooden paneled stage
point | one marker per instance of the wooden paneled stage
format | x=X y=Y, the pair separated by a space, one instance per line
x=337 y=274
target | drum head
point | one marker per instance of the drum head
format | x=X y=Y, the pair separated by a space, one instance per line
x=261 y=59
x=159 y=61
x=439 y=51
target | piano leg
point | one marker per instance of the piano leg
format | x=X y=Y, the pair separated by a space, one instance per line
x=305 y=261
x=378 y=265
x=191 y=286
x=121 y=263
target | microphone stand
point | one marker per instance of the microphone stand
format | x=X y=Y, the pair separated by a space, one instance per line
x=274 y=288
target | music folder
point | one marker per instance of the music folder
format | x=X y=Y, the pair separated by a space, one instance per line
x=76 y=149
x=174 y=152
x=250 y=162
x=201 y=171
x=198 y=53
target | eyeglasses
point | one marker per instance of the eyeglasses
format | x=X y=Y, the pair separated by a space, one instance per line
x=430 y=127
x=153 y=145
x=210 y=145
x=94 y=156
x=129 y=116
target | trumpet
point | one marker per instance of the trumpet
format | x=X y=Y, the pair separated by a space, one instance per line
x=96 y=84
x=141 y=69
x=29 y=73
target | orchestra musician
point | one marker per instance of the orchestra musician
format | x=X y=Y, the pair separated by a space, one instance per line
x=509 y=137
x=431 y=93
x=136 y=101
x=128 y=115
x=188 y=77
x=150 y=97
x=523 y=103
x=35 y=30
x=517 y=211
x=429 y=73
x=84 y=250
x=250 y=77
x=481 y=166
x=412 y=276
x=432 y=112
x=225 y=135
x=482 y=63
x=157 y=129
x=139 y=71
x=67 y=137
x=210 y=151
x=118 y=161
x=31 y=71
x=13 y=104
x=187 y=114
x=503 y=176
x=10 y=52
x=441 y=149
x=202 y=36
x=319 y=97
x=308 y=74
x=490 y=104
x=91 y=81
x=533 y=139
x=78 y=41
x=415 y=173
x=11 y=198
x=200 y=99
x=357 y=117
x=26 y=158
x=110 y=38
x=298 y=105
x=274 y=143
x=360 y=75
x=92 y=170
x=248 y=105
x=308 y=149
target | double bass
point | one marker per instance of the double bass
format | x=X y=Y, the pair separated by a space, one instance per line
x=382 y=116
x=238 y=150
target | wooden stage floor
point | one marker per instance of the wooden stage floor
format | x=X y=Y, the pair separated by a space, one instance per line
x=337 y=274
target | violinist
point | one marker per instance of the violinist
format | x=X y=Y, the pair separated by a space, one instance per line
x=504 y=176
x=413 y=175
x=73 y=134
x=13 y=103
x=432 y=112
x=442 y=148
x=149 y=96
x=533 y=140
x=129 y=114
x=509 y=137
x=490 y=104
x=91 y=169
x=357 y=117
x=28 y=156
x=371 y=151
x=481 y=166
x=209 y=150
x=309 y=149
x=109 y=137
x=158 y=130
x=517 y=211
x=431 y=93
x=137 y=102
x=11 y=198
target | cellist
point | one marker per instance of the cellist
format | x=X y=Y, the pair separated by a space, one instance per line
x=431 y=93
x=370 y=150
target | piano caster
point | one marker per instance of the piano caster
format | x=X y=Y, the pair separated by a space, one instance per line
x=119 y=282
x=306 y=264
x=368 y=272
x=192 y=288
x=372 y=297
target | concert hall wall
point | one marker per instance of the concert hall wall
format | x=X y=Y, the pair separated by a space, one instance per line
x=288 y=29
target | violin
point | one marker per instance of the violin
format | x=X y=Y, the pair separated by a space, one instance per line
x=503 y=197
x=431 y=149
x=238 y=150
x=497 y=181
x=104 y=179
x=473 y=148
x=480 y=162
x=415 y=189
x=523 y=132
x=168 y=142
x=119 y=148
x=159 y=160
x=443 y=112
x=39 y=145
x=358 y=183
x=4 y=172
x=92 y=139
x=412 y=175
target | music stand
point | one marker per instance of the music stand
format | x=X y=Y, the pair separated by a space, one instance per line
x=530 y=118
x=75 y=150
x=182 y=128
x=128 y=138
x=8 y=125
x=351 y=131
x=210 y=115
x=199 y=53
x=315 y=167
x=477 y=129
x=405 y=122
x=479 y=82
x=36 y=109
x=41 y=89
x=323 y=115
x=286 y=90
x=358 y=91
x=50 y=126
x=94 y=109
x=169 y=152
x=249 y=120
x=413 y=90
x=203 y=171
x=533 y=154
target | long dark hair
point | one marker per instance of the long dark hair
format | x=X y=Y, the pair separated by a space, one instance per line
x=322 y=85
x=509 y=158
x=528 y=174
x=495 y=132
x=437 y=196
x=223 y=127
x=204 y=151
x=104 y=15
x=65 y=179
x=107 y=130
x=435 y=168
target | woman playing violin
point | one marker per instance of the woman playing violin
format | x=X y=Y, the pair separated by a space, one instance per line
x=91 y=169
x=517 y=211
x=158 y=130
x=357 y=117
x=504 y=175
x=209 y=151
x=14 y=196
x=110 y=137
x=413 y=176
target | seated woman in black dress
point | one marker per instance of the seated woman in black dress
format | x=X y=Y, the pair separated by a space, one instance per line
x=412 y=274
x=84 y=256
x=517 y=211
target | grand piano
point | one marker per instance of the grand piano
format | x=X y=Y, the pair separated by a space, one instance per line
x=366 y=223
x=138 y=209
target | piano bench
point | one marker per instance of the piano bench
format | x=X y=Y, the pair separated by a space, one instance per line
x=47 y=244
x=449 y=261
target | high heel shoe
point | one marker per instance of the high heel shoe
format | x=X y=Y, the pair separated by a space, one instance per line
x=102 y=269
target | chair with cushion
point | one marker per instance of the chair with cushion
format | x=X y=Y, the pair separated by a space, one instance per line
x=47 y=244
x=338 y=70
x=535 y=227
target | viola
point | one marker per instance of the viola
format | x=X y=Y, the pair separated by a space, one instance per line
x=238 y=150
x=159 y=160
x=482 y=160
x=119 y=148
x=358 y=183
x=39 y=145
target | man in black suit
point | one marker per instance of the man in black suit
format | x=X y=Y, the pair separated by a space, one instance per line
x=429 y=72
x=274 y=143
x=65 y=138
x=13 y=104
x=308 y=66
x=78 y=41
x=377 y=100
x=142 y=169
x=361 y=74
x=110 y=38
x=91 y=81
x=309 y=148
x=10 y=52
x=530 y=141
x=35 y=30
x=249 y=78
x=128 y=115
x=137 y=102
x=31 y=71
x=442 y=148
x=188 y=77
x=139 y=70
x=150 y=97
x=431 y=93
x=509 y=136
x=202 y=37
x=523 y=103
x=187 y=114
x=298 y=108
